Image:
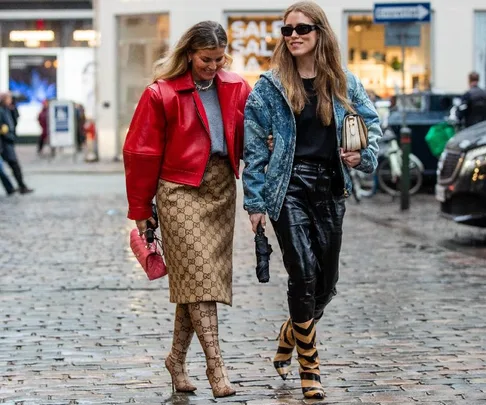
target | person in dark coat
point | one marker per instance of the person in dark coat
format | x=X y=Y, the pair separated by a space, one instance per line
x=473 y=106
x=7 y=184
x=80 y=122
x=8 y=122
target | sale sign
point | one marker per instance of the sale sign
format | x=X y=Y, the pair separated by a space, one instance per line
x=252 y=39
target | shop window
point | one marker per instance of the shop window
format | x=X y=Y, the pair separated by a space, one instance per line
x=45 y=33
x=252 y=39
x=78 y=33
x=142 y=39
x=31 y=33
x=379 y=66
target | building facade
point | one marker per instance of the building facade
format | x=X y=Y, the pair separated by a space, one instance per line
x=134 y=33
x=46 y=52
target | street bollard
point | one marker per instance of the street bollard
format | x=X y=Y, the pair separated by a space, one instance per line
x=405 y=142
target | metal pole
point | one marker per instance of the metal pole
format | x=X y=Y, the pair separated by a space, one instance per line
x=402 y=41
x=405 y=142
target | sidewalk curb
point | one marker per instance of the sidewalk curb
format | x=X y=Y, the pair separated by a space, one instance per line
x=64 y=163
x=32 y=171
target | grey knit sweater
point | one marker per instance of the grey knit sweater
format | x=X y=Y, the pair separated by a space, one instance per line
x=210 y=101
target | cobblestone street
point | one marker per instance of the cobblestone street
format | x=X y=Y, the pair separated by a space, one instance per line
x=81 y=324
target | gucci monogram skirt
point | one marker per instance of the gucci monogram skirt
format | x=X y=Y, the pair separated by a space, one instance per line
x=197 y=225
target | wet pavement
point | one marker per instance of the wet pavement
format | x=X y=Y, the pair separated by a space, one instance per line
x=81 y=324
x=423 y=221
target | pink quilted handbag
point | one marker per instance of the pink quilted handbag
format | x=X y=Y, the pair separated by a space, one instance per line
x=148 y=255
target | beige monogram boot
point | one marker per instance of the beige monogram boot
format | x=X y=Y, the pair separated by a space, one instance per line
x=176 y=360
x=204 y=318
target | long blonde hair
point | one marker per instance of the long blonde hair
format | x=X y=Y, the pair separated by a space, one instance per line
x=330 y=77
x=203 y=35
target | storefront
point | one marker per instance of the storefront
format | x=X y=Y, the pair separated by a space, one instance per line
x=47 y=54
x=380 y=66
x=448 y=48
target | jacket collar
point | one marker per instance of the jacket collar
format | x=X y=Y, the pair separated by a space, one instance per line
x=185 y=82
x=273 y=78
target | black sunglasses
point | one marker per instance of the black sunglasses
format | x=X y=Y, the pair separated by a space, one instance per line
x=301 y=29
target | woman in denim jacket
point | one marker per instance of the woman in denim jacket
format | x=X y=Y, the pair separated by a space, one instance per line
x=303 y=182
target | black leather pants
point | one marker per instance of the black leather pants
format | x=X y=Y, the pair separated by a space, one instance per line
x=309 y=232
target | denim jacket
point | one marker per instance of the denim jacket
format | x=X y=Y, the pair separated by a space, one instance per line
x=267 y=174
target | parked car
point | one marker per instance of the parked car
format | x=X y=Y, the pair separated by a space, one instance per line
x=461 y=177
x=423 y=110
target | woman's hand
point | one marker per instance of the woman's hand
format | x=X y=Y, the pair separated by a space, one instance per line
x=142 y=225
x=255 y=219
x=270 y=142
x=350 y=159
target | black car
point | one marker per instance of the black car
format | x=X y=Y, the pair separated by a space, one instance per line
x=461 y=177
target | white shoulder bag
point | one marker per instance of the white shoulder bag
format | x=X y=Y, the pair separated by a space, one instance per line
x=354 y=133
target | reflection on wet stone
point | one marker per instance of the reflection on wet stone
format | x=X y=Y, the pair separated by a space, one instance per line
x=82 y=324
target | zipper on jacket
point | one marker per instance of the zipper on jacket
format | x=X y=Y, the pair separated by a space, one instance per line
x=210 y=143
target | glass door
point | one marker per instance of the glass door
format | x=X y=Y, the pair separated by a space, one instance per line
x=142 y=39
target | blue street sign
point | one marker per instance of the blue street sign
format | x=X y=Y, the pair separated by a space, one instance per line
x=401 y=12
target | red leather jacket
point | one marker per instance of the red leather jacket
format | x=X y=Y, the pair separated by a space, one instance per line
x=169 y=136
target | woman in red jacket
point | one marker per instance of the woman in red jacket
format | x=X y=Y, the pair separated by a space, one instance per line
x=184 y=146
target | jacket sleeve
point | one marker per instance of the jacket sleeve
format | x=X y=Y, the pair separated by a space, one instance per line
x=463 y=108
x=364 y=107
x=255 y=153
x=143 y=153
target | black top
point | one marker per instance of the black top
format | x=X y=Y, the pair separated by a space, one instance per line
x=315 y=141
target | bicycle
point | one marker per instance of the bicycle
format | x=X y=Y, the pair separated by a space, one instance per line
x=365 y=185
x=389 y=171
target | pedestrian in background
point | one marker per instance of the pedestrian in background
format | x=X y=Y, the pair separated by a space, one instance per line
x=8 y=123
x=43 y=119
x=303 y=182
x=184 y=145
x=7 y=184
x=473 y=104
x=80 y=123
